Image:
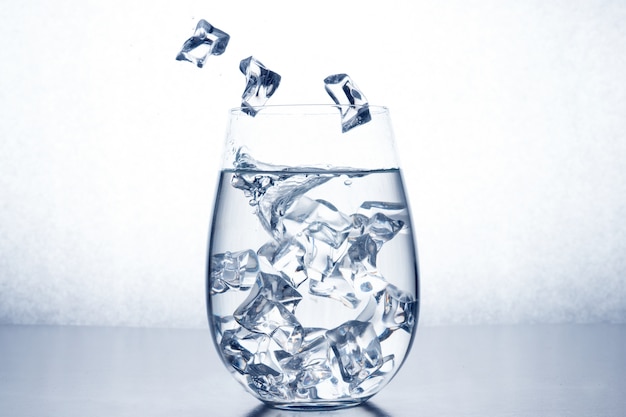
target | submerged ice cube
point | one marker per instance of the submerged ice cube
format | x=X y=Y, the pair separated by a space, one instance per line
x=310 y=365
x=321 y=259
x=270 y=387
x=276 y=288
x=382 y=228
x=253 y=185
x=353 y=104
x=261 y=84
x=363 y=249
x=395 y=310
x=273 y=194
x=399 y=309
x=372 y=211
x=319 y=219
x=336 y=287
x=270 y=309
x=233 y=270
x=357 y=349
x=207 y=40
x=273 y=319
x=245 y=351
x=287 y=258
x=373 y=382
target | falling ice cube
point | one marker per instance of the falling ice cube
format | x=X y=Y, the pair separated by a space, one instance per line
x=353 y=104
x=261 y=84
x=357 y=349
x=206 y=40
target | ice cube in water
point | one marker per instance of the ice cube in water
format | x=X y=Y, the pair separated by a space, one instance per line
x=233 y=270
x=357 y=349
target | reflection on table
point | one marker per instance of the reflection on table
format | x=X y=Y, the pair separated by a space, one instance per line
x=547 y=370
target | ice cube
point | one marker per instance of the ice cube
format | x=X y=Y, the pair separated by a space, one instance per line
x=382 y=228
x=269 y=309
x=321 y=258
x=399 y=309
x=273 y=319
x=336 y=287
x=366 y=277
x=381 y=221
x=382 y=205
x=372 y=383
x=276 y=288
x=310 y=365
x=270 y=387
x=363 y=248
x=207 y=40
x=352 y=103
x=395 y=211
x=319 y=219
x=273 y=194
x=253 y=185
x=322 y=232
x=233 y=270
x=368 y=282
x=241 y=348
x=261 y=84
x=287 y=258
x=222 y=324
x=369 y=310
x=357 y=349
x=395 y=310
x=280 y=195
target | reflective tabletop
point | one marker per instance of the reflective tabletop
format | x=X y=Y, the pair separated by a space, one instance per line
x=522 y=370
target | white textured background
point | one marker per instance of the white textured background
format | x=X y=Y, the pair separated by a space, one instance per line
x=511 y=117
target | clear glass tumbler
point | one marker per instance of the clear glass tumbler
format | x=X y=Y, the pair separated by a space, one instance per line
x=312 y=284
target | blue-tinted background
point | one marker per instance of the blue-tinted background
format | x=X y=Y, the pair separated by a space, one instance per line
x=510 y=117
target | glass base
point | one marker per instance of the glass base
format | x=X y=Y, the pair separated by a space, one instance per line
x=317 y=405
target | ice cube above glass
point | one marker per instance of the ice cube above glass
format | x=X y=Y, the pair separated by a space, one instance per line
x=312 y=282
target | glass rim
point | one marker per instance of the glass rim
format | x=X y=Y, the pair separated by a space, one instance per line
x=319 y=108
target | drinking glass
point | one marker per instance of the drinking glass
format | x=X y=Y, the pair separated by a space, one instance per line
x=312 y=281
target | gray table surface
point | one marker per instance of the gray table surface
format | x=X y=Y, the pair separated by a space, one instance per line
x=523 y=370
